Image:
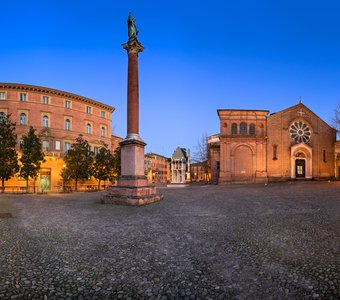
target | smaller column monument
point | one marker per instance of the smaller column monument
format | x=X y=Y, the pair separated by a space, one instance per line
x=132 y=187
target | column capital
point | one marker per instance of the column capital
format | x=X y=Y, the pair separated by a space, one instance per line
x=133 y=46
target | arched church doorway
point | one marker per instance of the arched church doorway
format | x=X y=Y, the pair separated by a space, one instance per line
x=301 y=161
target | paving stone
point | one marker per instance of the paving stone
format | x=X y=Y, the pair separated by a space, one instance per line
x=277 y=241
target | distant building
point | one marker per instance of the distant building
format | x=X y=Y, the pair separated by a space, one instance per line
x=214 y=157
x=198 y=172
x=115 y=140
x=337 y=159
x=253 y=146
x=180 y=166
x=157 y=168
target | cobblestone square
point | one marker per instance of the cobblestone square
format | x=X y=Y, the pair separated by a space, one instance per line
x=275 y=241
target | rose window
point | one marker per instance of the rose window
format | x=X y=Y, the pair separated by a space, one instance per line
x=300 y=132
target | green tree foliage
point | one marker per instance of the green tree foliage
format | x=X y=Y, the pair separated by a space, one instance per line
x=105 y=165
x=79 y=160
x=8 y=156
x=117 y=165
x=32 y=156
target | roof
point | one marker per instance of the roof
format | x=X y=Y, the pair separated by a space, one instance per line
x=45 y=90
x=179 y=153
x=155 y=154
x=274 y=115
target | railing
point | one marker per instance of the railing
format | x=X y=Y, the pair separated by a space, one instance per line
x=20 y=189
x=60 y=188
x=52 y=153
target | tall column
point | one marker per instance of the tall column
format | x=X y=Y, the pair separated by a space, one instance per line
x=132 y=187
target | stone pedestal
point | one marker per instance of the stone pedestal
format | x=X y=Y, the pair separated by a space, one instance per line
x=132 y=187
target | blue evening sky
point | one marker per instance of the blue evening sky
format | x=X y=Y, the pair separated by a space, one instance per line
x=199 y=56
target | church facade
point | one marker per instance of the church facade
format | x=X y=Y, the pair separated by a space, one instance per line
x=255 y=146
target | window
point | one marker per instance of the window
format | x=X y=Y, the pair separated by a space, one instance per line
x=2 y=95
x=88 y=128
x=67 y=147
x=45 y=99
x=96 y=150
x=252 y=129
x=23 y=119
x=57 y=145
x=67 y=124
x=274 y=152
x=21 y=144
x=243 y=128
x=234 y=128
x=88 y=109
x=46 y=145
x=300 y=132
x=67 y=104
x=324 y=156
x=23 y=97
x=45 y=121
x=2 y=116
x=102 y=114
x=102 y=131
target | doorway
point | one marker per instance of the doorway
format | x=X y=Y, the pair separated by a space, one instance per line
x=300 y=168
x=45 y=180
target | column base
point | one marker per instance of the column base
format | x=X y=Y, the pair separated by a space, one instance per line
x=132 y=195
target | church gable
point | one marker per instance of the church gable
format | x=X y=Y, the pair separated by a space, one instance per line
x=298 y=112
x=298 y=125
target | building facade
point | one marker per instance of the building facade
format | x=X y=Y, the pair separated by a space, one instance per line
x=256 y=147
x=157 y=168
x=198 y=172
x=59 y=118
x=180 y=166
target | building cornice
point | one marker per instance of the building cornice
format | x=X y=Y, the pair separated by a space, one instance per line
x=49 y=91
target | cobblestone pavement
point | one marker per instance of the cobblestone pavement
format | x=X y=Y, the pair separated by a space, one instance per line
x=275 y=241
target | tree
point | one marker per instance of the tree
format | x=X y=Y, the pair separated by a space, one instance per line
x=336 y=118
x=65 y=175
x=8 y=155
x=32 y=156
x=201 y=155
x=105 y=165
x=78 y=161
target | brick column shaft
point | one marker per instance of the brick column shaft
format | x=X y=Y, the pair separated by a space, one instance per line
x=132 y=94
x=133 y=47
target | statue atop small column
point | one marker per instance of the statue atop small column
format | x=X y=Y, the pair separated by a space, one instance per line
x=132 y=28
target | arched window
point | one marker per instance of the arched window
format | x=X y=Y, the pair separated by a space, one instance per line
x=23 y=119
x=88 y=128
x=252 y=129
x=102 y=131
x=45 y=121
x=234 y=128
x=67 y=124
x=243 y=128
